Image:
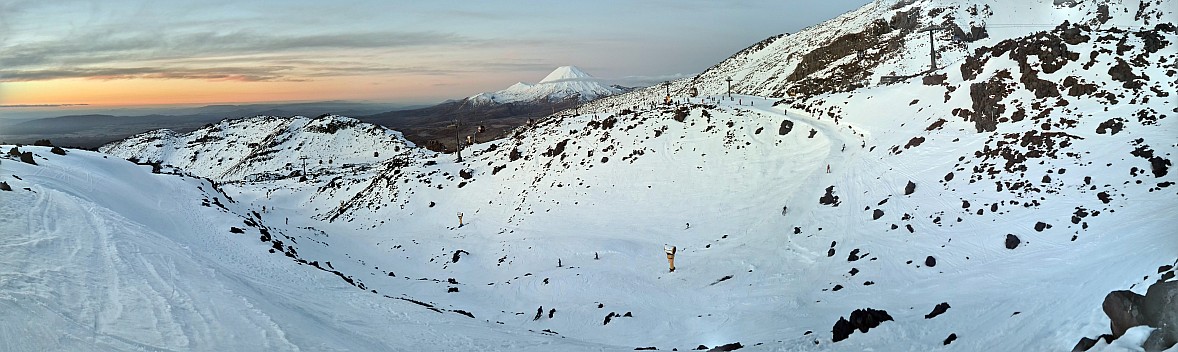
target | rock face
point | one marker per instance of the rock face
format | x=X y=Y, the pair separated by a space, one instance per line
x=1157 y=309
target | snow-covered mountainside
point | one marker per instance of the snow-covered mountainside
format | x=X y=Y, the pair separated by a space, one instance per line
x=99 y=254
x=566 y=82
x=991 y=206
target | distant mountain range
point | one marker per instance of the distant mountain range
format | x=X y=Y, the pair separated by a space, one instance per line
x=429 y=126
x=93 y=130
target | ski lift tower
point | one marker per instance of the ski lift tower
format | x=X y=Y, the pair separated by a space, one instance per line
x=932 y=46
x=458 y=138
x=729 y=80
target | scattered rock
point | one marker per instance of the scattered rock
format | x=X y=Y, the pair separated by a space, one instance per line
x=911 y=187
x=27 y=158
x=930 y=261
x=938 y=310
x=458 y=255
x=861 y=319
x=829 y=198
x=786 y=126
x=950 y=339
x=854 y=255
x=729 y=347
x=1012 y=241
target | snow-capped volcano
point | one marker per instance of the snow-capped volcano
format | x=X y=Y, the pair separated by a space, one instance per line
x=566 y=73
x=566 y=82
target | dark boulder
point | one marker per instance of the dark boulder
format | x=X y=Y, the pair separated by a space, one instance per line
x=786 y=126
x=27 y=158
x=861 y=319
x=910 y=188
x=938 y=310
x=842 y=329
x=729 y=347
x=1158 y=309
x=1161 y=306
x=1012 y=241
x=930 y=261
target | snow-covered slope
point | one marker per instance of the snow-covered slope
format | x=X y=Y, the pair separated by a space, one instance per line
x=101 y=254
x=1018 y=189
x=566 y=82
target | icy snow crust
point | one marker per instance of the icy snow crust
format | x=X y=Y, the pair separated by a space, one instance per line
x=570 y=215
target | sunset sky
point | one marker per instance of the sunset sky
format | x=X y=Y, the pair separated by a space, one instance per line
x=134 y=53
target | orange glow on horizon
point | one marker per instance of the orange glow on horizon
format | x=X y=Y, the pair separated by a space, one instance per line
x=149 y=91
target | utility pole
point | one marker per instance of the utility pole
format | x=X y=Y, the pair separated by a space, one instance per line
x=729 y=87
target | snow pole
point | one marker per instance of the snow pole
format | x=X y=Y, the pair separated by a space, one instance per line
x=670 y=256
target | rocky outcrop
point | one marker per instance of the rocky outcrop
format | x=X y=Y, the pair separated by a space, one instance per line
x=861 y=319
x=1157 y=309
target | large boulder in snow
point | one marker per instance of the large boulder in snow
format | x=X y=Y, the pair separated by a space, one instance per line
x=861 y=319
x=1161 y=306
x=1123 y=309
x=1158 y=309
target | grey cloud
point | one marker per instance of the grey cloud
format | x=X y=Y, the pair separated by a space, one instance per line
x=39 y=106
x=107 y=47
x=253 y=74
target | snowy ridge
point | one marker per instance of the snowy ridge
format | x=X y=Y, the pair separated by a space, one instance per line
x=266 y=147
x=566 y=82
x=1019 y=189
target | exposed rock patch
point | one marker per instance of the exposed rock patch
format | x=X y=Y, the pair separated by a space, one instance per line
x=862 y=320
